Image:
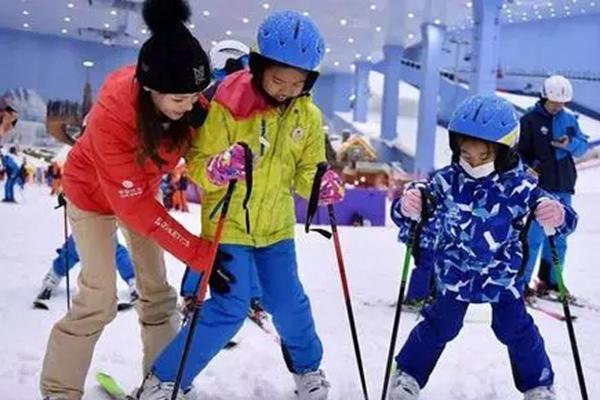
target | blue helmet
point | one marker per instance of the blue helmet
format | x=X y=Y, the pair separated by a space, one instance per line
x=291 y=38
x=489 y=118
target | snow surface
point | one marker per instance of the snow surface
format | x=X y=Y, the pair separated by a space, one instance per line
x=474 y=367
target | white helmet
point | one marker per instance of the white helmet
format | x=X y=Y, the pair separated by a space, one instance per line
x=225 y=50
x=557 y=88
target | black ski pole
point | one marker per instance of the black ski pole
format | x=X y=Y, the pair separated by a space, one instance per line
x=565 y=303
x=203 y=289
x=392 y=347
x=414 y=229
x=63 y=203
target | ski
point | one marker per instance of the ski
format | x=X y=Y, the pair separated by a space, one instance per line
x=40 y=304
x=553 y=314
x=111 y=387
x=573 y=301
x=124 y=306
x=260 y=319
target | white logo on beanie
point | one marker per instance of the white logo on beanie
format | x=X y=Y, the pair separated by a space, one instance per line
x=198 y=74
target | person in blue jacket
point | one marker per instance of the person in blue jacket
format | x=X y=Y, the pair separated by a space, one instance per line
x=12 y=171
x=481 y=202
x=550 y=139
x=66 y=259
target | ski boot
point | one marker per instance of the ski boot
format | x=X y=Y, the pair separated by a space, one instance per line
x=50 y=282
x=403 y=387
x=311 y=385
x=153 y=389
x=540 y=393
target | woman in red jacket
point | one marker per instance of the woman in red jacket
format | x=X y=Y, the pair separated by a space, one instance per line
x=137 y=130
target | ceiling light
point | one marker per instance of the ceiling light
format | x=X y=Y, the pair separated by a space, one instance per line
x=306 y=13
x=357 y=55
x=378 y=28
x=373 y=7
x=336 y=63
x=592 y=4
x=437 y=21
x=524 y=18
x=352 y=67
x=25 y=25
x=505 y=6
x=214 y=42
x=369 y=58
x=566 y=7
x=107 y=41
x=228 y=32
x=539 y=17
x=71 y=5
x=25 y=12
x=549 y=4
x=343 y=22
x=245 y=20
x=535 y=6
x=553 y=15
x=568 y=12
x=552 y=10
x=88 y=64
x=583 y=10
x=64 y=31
x=411 y=15
x=328 y=50
x=469 y=4
x=509 y=11
x=144 y=31
x=67 y=19
x=350 y=40
x=524 y=14
x=106 y=26
x=192 y=26
x=410 y=35
x=206 y=13
x=135 y=41
x=266 y=6
x=113 y=12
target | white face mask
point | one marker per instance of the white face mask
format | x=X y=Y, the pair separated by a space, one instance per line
x=480 y=171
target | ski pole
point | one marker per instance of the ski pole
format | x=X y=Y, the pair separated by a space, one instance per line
x=203 y=288
x=392 y=347
x=313 y=204
x=412 y=233
x=63 y=203
x=348 y=301
x=224 y=205
x=565 y=303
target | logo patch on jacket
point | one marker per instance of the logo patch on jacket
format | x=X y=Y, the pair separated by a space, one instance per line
x=544 y=130
x=298 y=134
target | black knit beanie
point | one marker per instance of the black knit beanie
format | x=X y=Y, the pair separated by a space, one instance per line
x=172 y=60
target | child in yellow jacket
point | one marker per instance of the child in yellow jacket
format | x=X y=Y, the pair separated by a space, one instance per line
x=268 y=108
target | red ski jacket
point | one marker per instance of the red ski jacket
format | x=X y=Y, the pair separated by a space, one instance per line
x=102 y=175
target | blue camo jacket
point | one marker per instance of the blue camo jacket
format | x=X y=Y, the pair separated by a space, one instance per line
x=477 y=225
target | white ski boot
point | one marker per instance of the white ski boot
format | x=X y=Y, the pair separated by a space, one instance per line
x=312 y=385
x=50 y=282
x=540 y=393
x=154 y=389
x=403 y=387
